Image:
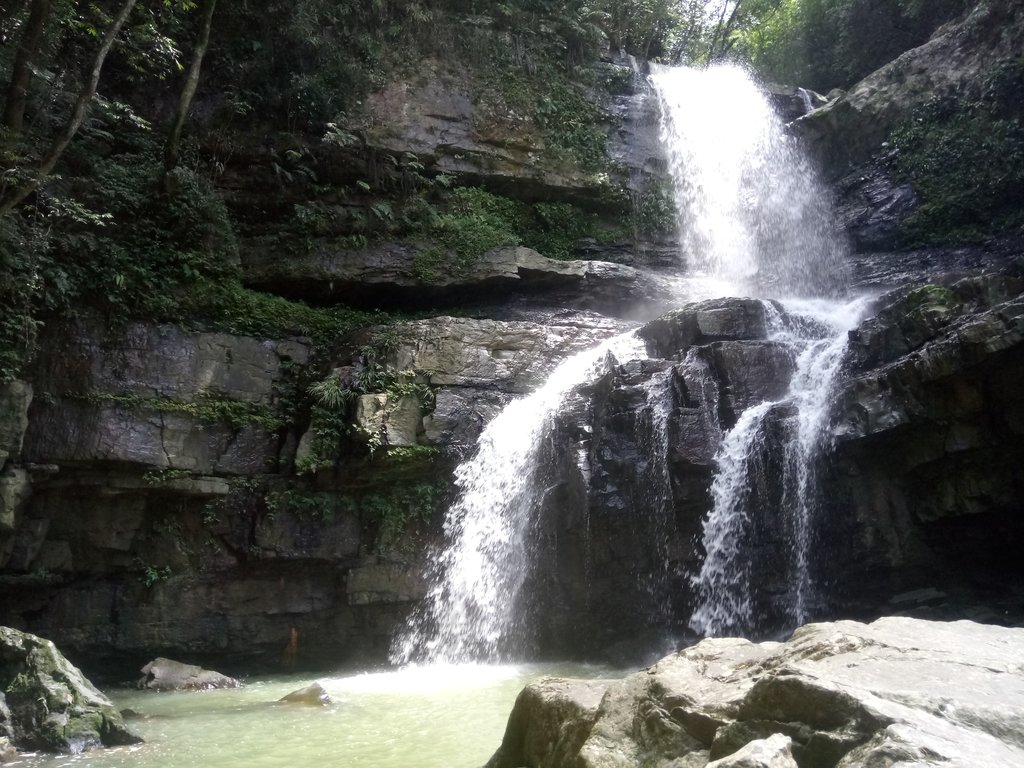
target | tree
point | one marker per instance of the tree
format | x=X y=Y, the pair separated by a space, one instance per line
x=10 y=199
x=188 y=91
x=21 y=72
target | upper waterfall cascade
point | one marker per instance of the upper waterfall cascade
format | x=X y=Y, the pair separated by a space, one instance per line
x=750 y=210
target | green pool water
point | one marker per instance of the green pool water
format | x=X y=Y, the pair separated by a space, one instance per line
x=425 y=717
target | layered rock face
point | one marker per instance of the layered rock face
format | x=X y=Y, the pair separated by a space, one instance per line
x=897 y=692
x=149 y=501
x=925 y=485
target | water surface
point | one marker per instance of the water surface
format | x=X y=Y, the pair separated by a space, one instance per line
x=422 y=717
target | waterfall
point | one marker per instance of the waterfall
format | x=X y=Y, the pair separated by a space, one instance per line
x=817 y=331
x=752 y=213
x=752 y=221
x=470 y=610
x=750 y=210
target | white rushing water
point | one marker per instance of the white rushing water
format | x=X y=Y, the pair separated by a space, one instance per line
x=469 y=612
x=751 y=213
x=817 y=332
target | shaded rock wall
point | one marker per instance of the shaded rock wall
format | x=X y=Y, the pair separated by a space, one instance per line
x=925 y=489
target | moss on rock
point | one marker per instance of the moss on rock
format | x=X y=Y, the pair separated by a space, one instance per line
x=48 y=704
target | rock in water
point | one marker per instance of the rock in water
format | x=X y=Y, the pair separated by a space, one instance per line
x=312 y=695
x=46 y=703
x=168 y=675
x=897 y=692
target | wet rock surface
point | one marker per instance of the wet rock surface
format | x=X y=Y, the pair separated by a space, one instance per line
x=47 y=704
x=836 y=694
x=168 y=675
x=629 y=474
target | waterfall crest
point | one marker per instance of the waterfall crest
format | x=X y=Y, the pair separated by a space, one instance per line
x=750 y=210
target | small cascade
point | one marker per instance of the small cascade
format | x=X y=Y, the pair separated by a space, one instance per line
x=723 y=585
x=471 y=612
x=805 y=99
x=746 y=473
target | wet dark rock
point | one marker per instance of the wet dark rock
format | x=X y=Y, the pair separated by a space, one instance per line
x=884 y=270
x=839 y=694
x=704 y=322
x=168 y=675
x=871 y=207
x=47 y=704
x=313 y=695
x=924 y=486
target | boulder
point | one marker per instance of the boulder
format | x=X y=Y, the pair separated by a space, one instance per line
x=168 y=675
x=549 y=723
x=839 y=694
x=46 y=703
x=773 y=752
x=8 y=754
x=313 y=695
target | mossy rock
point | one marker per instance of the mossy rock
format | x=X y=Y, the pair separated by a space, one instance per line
x=49 y=703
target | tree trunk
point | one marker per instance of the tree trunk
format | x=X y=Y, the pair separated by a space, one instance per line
x=21 y=74
x=85 y=96
x=723 y=30
x=188 y=90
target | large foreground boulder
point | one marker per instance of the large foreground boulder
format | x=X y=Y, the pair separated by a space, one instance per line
x=47 y=704
x=897 y=692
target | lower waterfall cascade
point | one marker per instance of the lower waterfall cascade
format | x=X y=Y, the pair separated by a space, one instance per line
x=753 y=218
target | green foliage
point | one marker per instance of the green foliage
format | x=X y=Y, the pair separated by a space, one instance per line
x=150 y=575
x=334 y=399
x=158 y=478
x=476 y=221
x=966 y=160
x=206 y=408
x=654 y=211
x=824 y=44
x=295 y=501
x=571 y=125
x=227 y=306
x=394 y=510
